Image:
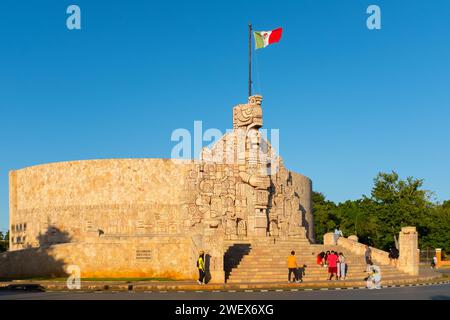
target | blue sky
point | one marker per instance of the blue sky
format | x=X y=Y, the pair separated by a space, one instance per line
x=349 y=102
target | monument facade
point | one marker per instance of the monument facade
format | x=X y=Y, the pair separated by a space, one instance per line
x=151 y=217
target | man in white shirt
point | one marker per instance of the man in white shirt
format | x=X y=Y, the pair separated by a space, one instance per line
x=337 y=234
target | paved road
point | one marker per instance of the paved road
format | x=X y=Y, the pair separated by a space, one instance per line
x=433 y=292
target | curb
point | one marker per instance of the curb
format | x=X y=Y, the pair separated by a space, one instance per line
x=254 y=290
x=214 y=287
x=132 y=289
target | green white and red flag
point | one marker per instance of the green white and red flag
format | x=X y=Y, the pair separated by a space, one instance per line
x=264 y=38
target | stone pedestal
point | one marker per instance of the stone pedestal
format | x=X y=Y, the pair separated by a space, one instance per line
x=214 y=266
x=408 y=242
x=260 y=225
x=328 y=239
x=438 y=257
x=215 y=272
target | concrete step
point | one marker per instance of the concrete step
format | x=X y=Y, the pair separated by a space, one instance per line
x=286 y=279
x=246 y=264
x=308 y=270
x=284 y=257
x=284 y=260
x=310 y=264
x=283 y=264
x=314 y=282
x=308 y=274
x=287 y=251
x=312 y=278
x=312 y=270
x=285 y=254
x=264 y=273
x=268 y=263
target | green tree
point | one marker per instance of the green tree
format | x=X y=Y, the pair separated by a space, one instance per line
x=356 y=218
x=324 y=219
x=399 y=203
x=393 y=204
x=4 y=241
x=436 y=228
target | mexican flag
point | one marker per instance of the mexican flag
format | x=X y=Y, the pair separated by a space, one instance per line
x=264 y=38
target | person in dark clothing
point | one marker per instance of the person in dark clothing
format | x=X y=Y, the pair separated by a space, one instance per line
x=301 y=272
x=393 y=255
x=325 y=259
x=368 y=258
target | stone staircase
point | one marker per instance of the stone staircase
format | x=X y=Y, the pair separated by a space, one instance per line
x=259 y=262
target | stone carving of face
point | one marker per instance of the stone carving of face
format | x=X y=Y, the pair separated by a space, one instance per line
x=250 y=114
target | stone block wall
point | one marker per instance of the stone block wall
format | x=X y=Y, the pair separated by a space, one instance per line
x=162 y=257
x=113 y=218
x=78 y=201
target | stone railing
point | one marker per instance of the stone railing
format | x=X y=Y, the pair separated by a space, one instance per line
x=408 y=261
x=351 y=243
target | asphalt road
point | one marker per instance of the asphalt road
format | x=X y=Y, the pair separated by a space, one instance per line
x=432 y=292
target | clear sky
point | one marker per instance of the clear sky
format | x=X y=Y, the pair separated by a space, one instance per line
x=348 y=101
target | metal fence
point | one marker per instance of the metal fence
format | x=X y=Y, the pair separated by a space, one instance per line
x=426 y=255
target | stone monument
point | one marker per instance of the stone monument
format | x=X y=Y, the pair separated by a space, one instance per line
x=151 y=217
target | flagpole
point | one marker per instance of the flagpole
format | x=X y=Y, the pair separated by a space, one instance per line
x=249 y=59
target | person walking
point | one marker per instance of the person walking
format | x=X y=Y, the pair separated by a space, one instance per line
x=337 y=233
x=201 y=268
x=332 y=264
x=434 y=263
x=368 y=258
x=292 y=267
x=342 y=266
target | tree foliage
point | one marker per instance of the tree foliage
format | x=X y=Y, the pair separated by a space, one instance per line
x=4 y=241
x=393 y=204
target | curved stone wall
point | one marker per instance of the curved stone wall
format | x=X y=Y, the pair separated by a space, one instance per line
x=77 y=201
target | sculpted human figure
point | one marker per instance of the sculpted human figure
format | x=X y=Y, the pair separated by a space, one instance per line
x=247 y=188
